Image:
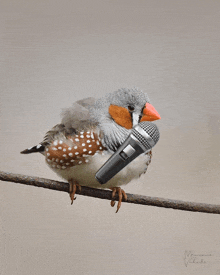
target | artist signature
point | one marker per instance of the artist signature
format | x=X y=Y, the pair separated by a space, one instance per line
x=193 y=258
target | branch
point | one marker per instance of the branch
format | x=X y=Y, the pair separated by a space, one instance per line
x=105 y=194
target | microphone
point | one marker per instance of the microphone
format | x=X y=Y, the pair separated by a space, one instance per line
x=142 y=138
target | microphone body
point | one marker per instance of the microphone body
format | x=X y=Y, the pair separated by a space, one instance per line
x=142 y=138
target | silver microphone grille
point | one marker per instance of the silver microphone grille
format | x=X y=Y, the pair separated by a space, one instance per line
x=147 y=133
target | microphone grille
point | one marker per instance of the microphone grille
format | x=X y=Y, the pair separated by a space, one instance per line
x=151 y=130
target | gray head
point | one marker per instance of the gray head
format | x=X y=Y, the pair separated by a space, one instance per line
x=117 y=113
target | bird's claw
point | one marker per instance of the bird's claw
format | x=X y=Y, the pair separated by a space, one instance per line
x=72 y=189
x=121 y=195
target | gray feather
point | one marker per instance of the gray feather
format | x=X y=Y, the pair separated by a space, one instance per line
x=78 y=116
x=90 y=114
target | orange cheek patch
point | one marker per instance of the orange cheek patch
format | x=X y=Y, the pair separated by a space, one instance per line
x=121 y=116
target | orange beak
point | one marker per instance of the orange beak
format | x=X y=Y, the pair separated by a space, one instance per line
x=150 y=113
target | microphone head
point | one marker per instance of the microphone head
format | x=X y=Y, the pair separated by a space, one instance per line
x=147 y=133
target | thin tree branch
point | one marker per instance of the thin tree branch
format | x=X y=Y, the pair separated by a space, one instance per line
x=105 y=194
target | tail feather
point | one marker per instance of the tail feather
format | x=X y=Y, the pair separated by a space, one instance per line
x=35 y=149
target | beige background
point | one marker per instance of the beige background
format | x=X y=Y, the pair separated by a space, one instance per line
x=55 y=52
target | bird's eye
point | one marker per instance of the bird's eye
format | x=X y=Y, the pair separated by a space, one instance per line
x=131 y=108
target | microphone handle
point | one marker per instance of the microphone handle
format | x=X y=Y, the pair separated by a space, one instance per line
x=127 y=152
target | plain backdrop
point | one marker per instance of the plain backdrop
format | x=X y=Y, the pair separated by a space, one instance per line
x=55 y=52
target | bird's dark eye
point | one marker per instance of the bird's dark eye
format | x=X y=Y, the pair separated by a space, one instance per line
x=131 y=108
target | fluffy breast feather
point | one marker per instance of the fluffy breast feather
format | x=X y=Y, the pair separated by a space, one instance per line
x=85 y=174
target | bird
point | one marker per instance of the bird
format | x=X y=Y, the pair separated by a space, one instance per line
x=90 y=131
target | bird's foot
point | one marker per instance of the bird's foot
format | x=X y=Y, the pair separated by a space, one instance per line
x=72 y=189
x=121 y=195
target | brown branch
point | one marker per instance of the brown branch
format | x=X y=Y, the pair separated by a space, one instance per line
x=105 y=194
